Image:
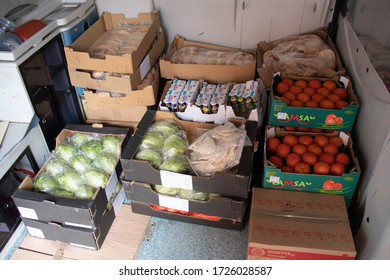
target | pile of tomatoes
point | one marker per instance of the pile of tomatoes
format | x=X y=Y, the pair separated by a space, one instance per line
x=312 y=94
x=307 y=154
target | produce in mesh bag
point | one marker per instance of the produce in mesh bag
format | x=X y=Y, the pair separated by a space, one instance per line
x=219 y=149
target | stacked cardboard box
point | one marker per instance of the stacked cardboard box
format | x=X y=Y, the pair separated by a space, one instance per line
x=83 y=222
x=227 y=210
x=110 y=83
x=294 y=110
x=298 y=226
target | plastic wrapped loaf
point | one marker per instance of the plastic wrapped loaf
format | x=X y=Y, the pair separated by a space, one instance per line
x=301 y=55
x=124 y=39
x=198 y=55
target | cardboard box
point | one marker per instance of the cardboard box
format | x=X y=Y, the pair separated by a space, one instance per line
x=224 y=113
x=210 y=73
x=84 y=213
x=280 y=114
x=234 y=182
x=77 y=54
x=224 y=207
x=101 y=100
x=274 y=178
x=122 y=242
x=150 y=210
x=123 y=83
x=82 y=237
x=298 y=226
x=266 y=73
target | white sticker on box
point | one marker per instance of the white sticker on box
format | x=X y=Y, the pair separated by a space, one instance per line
x=174 y=203
x=274 y=179
x=282 y=116
x=82 y=246
x=35 y=232
x=120 y=197
x=28 y=213
x=145 y=67
x=176 y=180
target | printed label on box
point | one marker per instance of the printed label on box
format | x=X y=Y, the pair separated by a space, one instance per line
x=28 y=213
x=282 y=116
x=35 y=232
x=77 y=225
x=172 y=179
x=274 y=179
x=174 y=203
x=145 y=66
x=82 y=246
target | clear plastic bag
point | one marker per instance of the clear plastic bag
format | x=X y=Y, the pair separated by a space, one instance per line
x=301 y=55
x=217 y=150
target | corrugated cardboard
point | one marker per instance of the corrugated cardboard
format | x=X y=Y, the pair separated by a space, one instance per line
x=298 y=226
x=225 y=112
x=146 y=209
x=280 y=114
x=209 y=73
x=220 y=206
x=234 y=182
x=77 y=54
x=122 y=242
x=274 y=178
x=123 y=83
x=84 y=213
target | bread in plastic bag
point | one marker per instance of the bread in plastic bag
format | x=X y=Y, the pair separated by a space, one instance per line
x=198 y=55
x=301 y=55
x=217 y=150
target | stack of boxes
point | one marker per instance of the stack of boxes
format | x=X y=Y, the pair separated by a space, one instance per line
x=83 y=222
x=225 y=210
x=290 y=201
x=115 y=63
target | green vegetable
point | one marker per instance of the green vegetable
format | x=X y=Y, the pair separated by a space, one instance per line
x=66 y=150
x=153 y=157
x=96 y=178
x=112 y=144
x=167 y=127
x=177 y=163
x=166 y=190
x=69 y=180
x=105 y=162
x=80 y=163
x=193 y=195
x=152 y=140
x=174 y=145
x=85 y=191
x=79 y=139
x=45 y=183
x=92 y=148
x=56 y=166
x=62 y=193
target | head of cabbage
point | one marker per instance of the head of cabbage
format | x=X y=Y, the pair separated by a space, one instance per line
x=66 y=150
x=92 y=148
x=152 y=156
x=167 y=127
x=177 y=163
x=112 y=145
